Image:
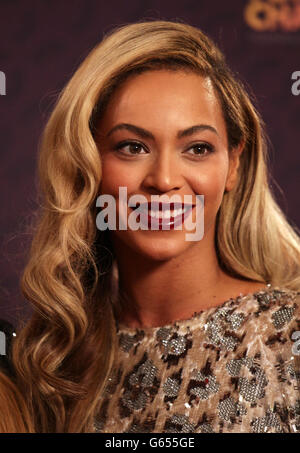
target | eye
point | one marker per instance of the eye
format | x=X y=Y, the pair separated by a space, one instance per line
x=133 y=148
x=202 y=149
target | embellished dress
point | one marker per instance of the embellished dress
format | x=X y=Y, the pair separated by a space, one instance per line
x=234 y=368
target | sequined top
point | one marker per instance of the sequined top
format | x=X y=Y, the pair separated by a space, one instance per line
x=234 y=368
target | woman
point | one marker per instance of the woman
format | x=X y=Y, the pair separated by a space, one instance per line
x=142 y=330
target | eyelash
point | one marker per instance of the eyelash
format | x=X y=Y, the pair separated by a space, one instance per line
x=121 y=145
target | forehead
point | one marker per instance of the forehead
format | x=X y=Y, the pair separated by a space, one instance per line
x=161 y=98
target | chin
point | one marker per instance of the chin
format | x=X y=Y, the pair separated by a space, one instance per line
x=160 y=248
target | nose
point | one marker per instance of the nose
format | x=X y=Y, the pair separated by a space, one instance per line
x=164 y=173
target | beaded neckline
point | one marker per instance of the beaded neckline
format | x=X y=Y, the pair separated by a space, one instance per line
x=124 y=329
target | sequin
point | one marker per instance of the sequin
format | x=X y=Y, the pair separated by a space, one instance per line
x=202 y=386
x=172 y=345
x=235 y=320
x=176 y=346
x=126 y=342
x=171 y=387
x=139 y=386
x=146 y=427
x=220 y=326
x=179 y=424
x=205 y=428
x=229 y=408
x=264 y=301
x=294 y=373
x=249 y=390
x=263 y=424
x=295 y=410
x=113 y=381
x=282 y=316
x=227 y=369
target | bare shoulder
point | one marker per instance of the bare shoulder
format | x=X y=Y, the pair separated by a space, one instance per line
x=252 y=287
x=234 y=287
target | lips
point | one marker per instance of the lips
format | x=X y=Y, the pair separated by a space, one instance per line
x=156 y=215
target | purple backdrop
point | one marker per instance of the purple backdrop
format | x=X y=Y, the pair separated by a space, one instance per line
x=42 y=43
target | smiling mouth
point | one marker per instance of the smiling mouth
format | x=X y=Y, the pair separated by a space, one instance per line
x=159 y=213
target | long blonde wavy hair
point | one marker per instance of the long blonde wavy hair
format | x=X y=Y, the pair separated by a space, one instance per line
x=64 y=354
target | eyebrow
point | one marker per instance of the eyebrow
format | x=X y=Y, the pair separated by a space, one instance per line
x=146 y=134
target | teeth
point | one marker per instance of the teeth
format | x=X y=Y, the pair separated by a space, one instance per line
x=167 y=214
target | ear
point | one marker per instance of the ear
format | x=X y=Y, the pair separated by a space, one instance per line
x=234 y=162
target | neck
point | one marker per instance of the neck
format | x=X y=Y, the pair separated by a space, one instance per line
x=155 y=293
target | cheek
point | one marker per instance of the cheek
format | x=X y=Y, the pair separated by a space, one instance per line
x=114 y=175
x=210 y=182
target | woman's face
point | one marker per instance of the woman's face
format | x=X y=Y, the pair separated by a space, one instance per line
x=160 y=159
